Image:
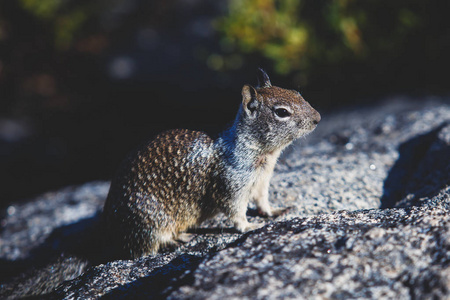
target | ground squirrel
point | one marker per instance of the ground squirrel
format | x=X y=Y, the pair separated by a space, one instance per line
x=183 y=177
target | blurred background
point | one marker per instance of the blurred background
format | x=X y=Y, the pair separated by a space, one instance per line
x=83 y=82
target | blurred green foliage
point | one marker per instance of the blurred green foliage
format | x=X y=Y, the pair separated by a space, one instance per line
x=268 y=27
x=65 y=17
x=42 y=8
x=297 y=35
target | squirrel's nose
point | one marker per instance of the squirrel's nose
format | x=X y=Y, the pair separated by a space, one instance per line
x=316 y=117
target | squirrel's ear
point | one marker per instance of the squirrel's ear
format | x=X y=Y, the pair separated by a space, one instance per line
x=263 y=79
x=250 y=101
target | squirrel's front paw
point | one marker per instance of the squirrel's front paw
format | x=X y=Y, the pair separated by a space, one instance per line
x=253 y=226
x=274 y=212
x=244 y=227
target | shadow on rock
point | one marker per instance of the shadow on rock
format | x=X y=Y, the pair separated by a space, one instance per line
x=161 y=282
x=65 y=254
x=407 y=175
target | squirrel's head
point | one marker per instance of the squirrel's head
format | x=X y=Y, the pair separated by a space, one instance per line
x=276 y=116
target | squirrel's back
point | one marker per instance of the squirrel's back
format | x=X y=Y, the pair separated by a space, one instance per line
x=164 y=184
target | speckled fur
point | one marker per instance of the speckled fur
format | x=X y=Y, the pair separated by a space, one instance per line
x=183 y=177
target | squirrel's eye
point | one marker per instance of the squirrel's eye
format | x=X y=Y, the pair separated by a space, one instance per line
x=282 y=112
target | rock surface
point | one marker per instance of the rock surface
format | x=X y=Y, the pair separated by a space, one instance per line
x=370 y=198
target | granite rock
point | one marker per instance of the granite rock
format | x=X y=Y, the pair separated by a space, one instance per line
x=369 y=195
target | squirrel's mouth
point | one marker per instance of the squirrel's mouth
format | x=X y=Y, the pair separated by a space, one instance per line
x=306 y=129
